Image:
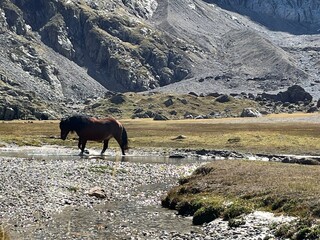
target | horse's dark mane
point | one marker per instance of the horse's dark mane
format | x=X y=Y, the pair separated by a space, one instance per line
x=75 y=122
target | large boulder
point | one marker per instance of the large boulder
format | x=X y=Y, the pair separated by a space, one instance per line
x=294 y=94
x=118 y=99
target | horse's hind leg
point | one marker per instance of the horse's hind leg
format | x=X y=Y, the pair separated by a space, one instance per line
x=105 y=146
x=118 y=138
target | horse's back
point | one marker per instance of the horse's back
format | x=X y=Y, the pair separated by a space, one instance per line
x=100 y=129
x=105 y=121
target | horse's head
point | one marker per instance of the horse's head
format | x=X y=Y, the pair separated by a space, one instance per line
x=65 y=128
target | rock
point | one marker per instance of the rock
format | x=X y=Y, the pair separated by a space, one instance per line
x=44 y=116
x=96 y=105
x=9 y=113
x=188 y=115
x=160 y=117
x=250 y=112
x=183 y=101
x=114 y=110
x=150 y=114
x=180 y=137
x=138 y=110
x=118 y=99
x=168 y=102
x=193 y=94
x=312 y=109
x=173 y=112
x=213 y=94
x=223 y=98
x=140 y=115
x=97 y=192
x=294 y=94
x=177 y=155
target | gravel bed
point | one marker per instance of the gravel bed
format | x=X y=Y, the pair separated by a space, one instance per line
x=49 y=199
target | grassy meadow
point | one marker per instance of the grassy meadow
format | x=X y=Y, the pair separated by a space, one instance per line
x=271 y=137
x=222 y=188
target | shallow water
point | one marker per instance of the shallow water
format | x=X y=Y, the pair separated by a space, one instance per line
x=53 y=153
x=122 y=219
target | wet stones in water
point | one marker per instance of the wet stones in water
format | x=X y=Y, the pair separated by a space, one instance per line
x=86 y=151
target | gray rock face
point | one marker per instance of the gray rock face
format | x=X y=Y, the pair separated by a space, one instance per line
x=119 y=50
x=306 y=13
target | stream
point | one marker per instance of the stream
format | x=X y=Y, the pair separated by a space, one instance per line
x=44 y=194
x=131 y=210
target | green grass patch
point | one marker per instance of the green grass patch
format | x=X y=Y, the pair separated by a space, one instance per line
x=230 y=188
x=299 y=230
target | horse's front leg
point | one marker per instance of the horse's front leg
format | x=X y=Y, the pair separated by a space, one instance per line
x=105 y=146
x=82 y=145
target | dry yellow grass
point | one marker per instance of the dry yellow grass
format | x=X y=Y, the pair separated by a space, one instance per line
x=265 y=135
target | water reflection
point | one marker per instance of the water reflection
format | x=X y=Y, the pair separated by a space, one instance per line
x=60 y=153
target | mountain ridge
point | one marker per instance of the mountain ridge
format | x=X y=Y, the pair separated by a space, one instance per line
x=72 y=51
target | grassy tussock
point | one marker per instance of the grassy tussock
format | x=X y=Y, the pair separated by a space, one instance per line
x=235 y=187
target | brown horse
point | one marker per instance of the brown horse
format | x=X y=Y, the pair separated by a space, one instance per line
x=90 y=128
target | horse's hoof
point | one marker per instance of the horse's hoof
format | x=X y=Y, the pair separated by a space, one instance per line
x=86 y=151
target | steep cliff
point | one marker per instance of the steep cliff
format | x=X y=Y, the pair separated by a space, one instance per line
x=295 y=16
x=120 y=51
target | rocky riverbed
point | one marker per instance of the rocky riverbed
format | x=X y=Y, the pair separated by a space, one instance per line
x=65 y=196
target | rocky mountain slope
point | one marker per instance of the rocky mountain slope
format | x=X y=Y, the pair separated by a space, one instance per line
x=58 y=54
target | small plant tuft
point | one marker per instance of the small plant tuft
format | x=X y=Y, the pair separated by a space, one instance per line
x=206 y=214
x=236 y=222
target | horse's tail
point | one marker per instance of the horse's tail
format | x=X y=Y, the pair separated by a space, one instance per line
x=124 y=139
